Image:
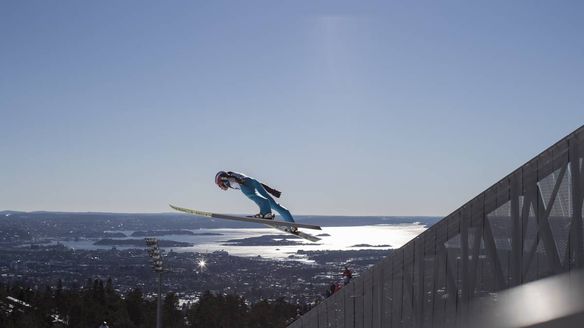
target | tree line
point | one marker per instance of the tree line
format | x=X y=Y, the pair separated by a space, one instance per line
x=98 y=302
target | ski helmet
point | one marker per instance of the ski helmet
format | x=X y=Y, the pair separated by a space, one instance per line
x=221 y=180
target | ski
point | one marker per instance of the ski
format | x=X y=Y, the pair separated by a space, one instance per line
x=300 y=234
x=272 y=223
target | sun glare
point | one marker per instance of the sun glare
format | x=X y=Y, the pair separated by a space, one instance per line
x=202 y=264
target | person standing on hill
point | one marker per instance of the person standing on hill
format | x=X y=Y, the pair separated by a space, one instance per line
x=258 y=192
x=347 y=276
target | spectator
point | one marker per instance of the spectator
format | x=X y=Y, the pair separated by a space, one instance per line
x=347 y=276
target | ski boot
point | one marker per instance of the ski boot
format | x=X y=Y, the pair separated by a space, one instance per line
x=267 y=216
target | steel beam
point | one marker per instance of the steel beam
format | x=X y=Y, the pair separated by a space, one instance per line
x=544 y=225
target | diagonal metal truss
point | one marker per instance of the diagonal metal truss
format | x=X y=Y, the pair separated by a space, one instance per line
x=525 y=227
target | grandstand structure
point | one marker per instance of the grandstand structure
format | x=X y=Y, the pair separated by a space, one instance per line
x=526 y=227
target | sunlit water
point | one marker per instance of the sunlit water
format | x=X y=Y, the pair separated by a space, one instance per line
x=341 y=238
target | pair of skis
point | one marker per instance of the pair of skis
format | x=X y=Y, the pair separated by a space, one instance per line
x=280 y=225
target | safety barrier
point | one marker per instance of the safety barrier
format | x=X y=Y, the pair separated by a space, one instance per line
x=525 y=227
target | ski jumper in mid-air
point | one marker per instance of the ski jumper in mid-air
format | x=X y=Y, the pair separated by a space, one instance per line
x=258 y=192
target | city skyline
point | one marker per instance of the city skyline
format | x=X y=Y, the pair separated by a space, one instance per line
x=349 y=109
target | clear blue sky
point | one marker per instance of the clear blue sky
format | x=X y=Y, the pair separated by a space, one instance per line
x=348 y=107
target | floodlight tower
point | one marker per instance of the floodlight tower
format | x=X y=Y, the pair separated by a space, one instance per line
x=156 y=260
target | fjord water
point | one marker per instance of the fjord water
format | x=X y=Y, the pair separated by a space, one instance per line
x=379 y=236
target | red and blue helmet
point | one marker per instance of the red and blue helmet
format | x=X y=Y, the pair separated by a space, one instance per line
x=221 y=180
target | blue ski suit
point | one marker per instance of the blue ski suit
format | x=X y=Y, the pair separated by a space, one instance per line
x=254 y=190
